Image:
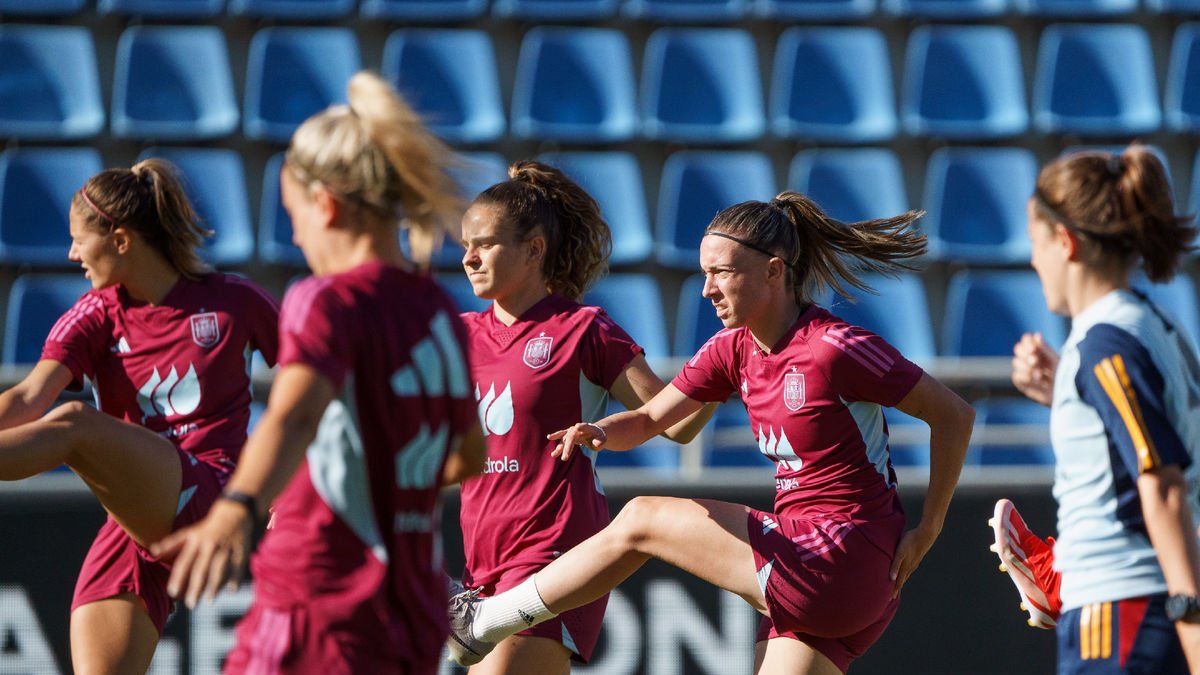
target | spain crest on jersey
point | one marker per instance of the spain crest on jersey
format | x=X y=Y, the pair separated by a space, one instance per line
x=206 y=332
x=537 y=351
x=793 y=391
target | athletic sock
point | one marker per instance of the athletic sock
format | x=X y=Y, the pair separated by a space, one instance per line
x=510 y=612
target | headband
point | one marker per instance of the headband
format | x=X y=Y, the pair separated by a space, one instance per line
x=743 y=242
x=87 y=200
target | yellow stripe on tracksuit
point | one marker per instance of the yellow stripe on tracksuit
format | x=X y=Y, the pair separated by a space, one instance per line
x=1115 y=379
x=1095 y=631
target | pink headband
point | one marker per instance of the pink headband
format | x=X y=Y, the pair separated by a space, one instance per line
x=97 y=209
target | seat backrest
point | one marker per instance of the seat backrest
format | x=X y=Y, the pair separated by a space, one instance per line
x=852 y=184
x=1011 y=430
x=948 y=9
x=689 y=11
x=1181 y=100
x=41 y=7
x=898 y=312
x=975 y=198
x=555 y=10
x=1075 y=9
x=635 y=304
x=36 y=188
x=423 y=10
x=167 y=9
x=35 y=303
x=818 y=10
x=49 y=83
x=291 y=9
x=614 y=180
x=695 y=320
x=274 y=226
x=988 y=311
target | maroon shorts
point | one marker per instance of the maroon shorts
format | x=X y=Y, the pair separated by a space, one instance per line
x=116 y=564
x=825 y=580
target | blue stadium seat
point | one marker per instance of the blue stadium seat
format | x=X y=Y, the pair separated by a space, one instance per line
x=1178 y=298
x=36 y=188
x=975 y=199
x=730 y=440
x=173 y=83
x=814 y=10
x=449 y=76
x=292 y=73
x=35 y=303
x=657 y=455
x=1194 y=191
x=459 y=288
x=1095 y=80
x=695 y=320
x=697 y=185
x=948 y=9
x=216 y=185
x=833 y=84
x=1174 y=6
x=701 y=86
x=689 y=11
x=479 y=171
x=1077 y=9
x=423 y=10
x=49 y=83
x=615 y=181
x=576 y=85
x=963 y=82
x=898 y=312
x=555 y=10
x=41 y=7
x=167 y=9
x=851 y=184
x=908 y=439
x=291 y=9
x=1181 y=100
x=274 y=226
x=1011 y=430
x=634 y=302
x=988 y=311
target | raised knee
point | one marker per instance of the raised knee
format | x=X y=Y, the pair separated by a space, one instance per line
x=74 y=417
x=636 y=519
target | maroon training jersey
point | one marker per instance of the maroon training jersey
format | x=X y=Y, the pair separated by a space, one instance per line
x=180 y=368
x=550 y=369
x=356 y=536
x=814 y=406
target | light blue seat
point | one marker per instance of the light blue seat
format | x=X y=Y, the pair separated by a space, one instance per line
x=988 y=311
x=635 y=304
x=1095 y=80
x=274 y=226
x=41 y=7
x=1181 y=100
x=695 y=319
x=216 y=185
x=701 y=85
x=975 y=202
x=293 y=73
x=574 y=85
x=833 y=84
x=689 y=11
x=167 y=9
x=898 y=312
x=948 y=9
x=851 y=184
x=449 y=77
x=814 y=10
x=36 y=188
x=49 y=83
x=963 y=82
x=1011 y=430
x=1178 y=298
x=614 y=180
x=423 y=10
x=291 y=9
x=693 y=188
x=35 y=303
x=173 y=83
x=1077 y=9
x=1174 y=6
x=555 y=10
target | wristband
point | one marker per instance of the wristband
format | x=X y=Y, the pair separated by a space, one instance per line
x=249 y=502
x=602 y=435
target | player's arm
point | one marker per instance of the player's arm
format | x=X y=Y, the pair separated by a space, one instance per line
x=467 y=459
x=1164 y=495
x=638 y=384
x=28 y=399
x=628 y=429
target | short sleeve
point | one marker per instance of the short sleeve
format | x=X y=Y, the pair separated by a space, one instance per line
x=262 y=317
x=864 y=367
x=79 y=338
x=711 y=375
x=313 y=330
x=1119 y=379
x=605 y=349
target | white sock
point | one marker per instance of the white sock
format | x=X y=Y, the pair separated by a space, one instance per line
x=510 y=612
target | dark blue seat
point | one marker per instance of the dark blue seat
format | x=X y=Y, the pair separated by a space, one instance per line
x=173 y=83
x=167 y=9
x=852 y=184
x=948 y=9
x=693 y=188
x=1181 y=100
x=216 y=185
x=963 y=82
x=701 y=85
x=449 y=77
x=1077 y=9
x=291 y=9
x=689 y=11
x=898 y=312
x=423 y=10
x=1011 y=431
x=555 y=10
x=695 y=320
x=41 y=7
x=814 y=10
x=274 y=226
x=1095 y=80
x=1174 y=6
x=49 y=83
x=833 y=84
x=988 y=311
x=635 y=304
x=908 y=439
x=35 y=303
x=575 y=85
x=36 y=188
x=975 y=198
x=615 y=181
x=292 y=73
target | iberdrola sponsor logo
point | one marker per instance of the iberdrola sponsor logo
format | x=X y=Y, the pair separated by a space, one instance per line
x=502 y=465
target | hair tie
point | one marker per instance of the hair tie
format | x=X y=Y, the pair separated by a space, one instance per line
x=87 y=200
x=1115 y=165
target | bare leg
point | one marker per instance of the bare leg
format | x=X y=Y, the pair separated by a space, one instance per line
x=785 y=656
x=519 y=655
x=112 y=637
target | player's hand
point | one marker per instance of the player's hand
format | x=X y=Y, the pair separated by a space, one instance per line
x=584 y=433
x=1033 y=366
x=209 y=554
x=909 y=553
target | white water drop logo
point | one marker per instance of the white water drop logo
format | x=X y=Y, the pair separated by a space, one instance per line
x=778 y=449
x=495 y=412
x=170 y=397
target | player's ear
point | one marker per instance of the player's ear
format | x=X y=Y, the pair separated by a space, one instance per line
x=325 y=202
x=120 y=238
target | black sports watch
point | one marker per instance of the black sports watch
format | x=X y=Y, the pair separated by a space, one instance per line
x=1183 y=608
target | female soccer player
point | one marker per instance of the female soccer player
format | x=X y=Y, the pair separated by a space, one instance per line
x=166 y=343
x=374 y=384
x=825 y=568
x=534 y=244
x=1123 y=579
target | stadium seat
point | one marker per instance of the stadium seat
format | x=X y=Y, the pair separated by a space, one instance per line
x=1181 y=100
x=898 y=312
x=555 y=10
x=1011 y=430
x=173 y=83
x=49 y=83
x=833 y=84
x=459 y=288
x=1077 y=9
x=216 y=185
x=988 y=311
x=1095 y=80
x=852 y=184
x=479 y=171
x=449 y=76
x=41 y=7
x=948 y=9
x=975 y=199
x=963 y=82
x=634 y=302
x=574 y=85
x=693 y=188
x=36 y=188
x=814 y=10
x=1173 y=6
x=1178 y=298
x=689 y=11
x=695 y=320
x=615 y=181
x=274 y=226
x=291 y=9
x=292 y=73
x=35 y=303
x=701 y=86
x=908 y=439
x=423 y=10
x=167 y=9
x=657 y=455
x=730 y=440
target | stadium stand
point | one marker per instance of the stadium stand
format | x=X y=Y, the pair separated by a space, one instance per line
x=643 y=319
x=1181 y=98
x=898 y=312
x=948 y=9
x=987 y=311
x=1077 y=9
x=49 y=83
x=274 y=228
x=167 y=9
x=1013 y=430
x=423 y=10
x=851 y=184
x=555 y=10
x=685 y=11
x=36 y=186
x=814 y=10
x=291 y=9
x=615 y=181
x=35 y=302
x=41 y=8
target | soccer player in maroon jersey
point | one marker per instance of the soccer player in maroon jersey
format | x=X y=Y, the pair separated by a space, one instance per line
x=827 y=566
x=541 y=361
x=371 y=412
x=166 y=342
